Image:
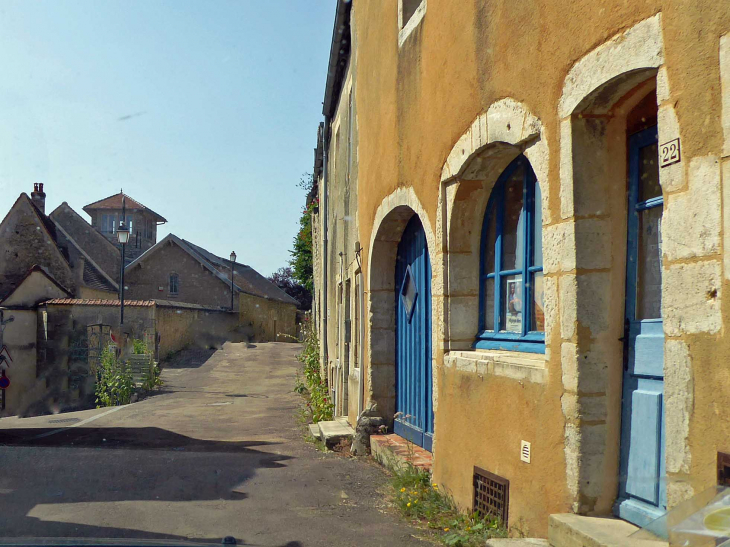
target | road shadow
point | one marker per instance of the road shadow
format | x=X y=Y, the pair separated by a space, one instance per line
x=130 y=438
x=188 y=358
x=100 y=465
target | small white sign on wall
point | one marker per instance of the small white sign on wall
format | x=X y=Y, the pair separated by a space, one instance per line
x=669 y=153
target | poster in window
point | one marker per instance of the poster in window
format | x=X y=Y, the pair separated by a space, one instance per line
x=513 y=305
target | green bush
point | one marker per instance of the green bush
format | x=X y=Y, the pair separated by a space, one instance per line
x=152 y=378
x=421 y=501
x=114 y=383
x=319 y=404
x=139 y=347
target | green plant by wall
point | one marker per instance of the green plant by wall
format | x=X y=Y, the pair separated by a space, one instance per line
x=139 y=347
x=421 y=501
x=152 y=378
x=319 y=403
x=114 y=383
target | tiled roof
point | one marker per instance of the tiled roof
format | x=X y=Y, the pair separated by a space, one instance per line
x=248 y=279
x=94 y=302
x=115 y=202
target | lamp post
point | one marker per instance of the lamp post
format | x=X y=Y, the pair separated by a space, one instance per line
x=233 y=260
x=123 y=238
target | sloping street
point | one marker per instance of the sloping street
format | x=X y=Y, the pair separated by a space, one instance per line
x=217 y=452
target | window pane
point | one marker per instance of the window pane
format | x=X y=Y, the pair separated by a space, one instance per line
x=489 y=249
x=649 y=186
x=537 y=228
x=649 y=267
x=489 y=304
x=512 y=230
x=538 y=307
x=512 y=303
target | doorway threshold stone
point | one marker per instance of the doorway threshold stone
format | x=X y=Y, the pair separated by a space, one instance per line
x=395 y=452
x=570 y=530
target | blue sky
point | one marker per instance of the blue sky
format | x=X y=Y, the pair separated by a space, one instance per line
x=225 y=97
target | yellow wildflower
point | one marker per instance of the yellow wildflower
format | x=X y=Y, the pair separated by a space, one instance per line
x=415 y=501
x=446 y=529
x=468 y=528
x=403 y=489
x=408 y=504
x=435 y=486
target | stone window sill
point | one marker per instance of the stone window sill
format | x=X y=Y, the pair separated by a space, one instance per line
x=509 y=364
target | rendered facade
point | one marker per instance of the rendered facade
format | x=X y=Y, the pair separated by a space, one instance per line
x=542 y=212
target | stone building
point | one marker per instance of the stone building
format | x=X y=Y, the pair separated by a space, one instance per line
x=337 y=306
x=177 y=270
x=542 y=204
x=29 y=237
x=142 y=222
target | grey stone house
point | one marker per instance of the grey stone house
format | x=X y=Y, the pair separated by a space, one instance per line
x=29 y=237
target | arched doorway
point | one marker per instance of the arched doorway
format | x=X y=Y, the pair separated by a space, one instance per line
x=414 y=386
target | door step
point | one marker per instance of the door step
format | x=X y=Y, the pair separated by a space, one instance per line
x=570 y=530
x=395 y=452
x=334 y=432
x=314 y=431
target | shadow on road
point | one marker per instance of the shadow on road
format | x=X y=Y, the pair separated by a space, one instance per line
x=137 y=438
x=103 y=466
x=189 y=358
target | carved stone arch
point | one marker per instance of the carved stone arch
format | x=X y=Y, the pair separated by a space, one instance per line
x=390 y=221
x=589 y=247
x=506 y=130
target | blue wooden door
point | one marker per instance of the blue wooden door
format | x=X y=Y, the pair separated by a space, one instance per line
x=413 y=382
x=642 y=490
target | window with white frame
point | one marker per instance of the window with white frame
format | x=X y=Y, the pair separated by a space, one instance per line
x=511 y=312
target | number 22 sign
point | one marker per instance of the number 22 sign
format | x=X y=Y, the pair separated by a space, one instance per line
x=669 y=153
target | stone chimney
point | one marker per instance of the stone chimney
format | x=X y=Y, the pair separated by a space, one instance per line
x=38 y=197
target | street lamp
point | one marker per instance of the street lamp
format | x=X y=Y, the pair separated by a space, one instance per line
x=123 y=238
x=233 y=260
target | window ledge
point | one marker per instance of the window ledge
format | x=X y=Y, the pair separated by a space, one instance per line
x=412 y=23
x=509 y=364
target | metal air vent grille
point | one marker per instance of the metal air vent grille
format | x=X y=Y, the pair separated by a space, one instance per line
x=491 y=494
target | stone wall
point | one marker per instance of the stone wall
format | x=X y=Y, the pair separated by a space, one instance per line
x=265 y=320
x=180 y=328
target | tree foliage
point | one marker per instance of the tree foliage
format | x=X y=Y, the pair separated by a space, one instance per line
x=284 y=279
x=302 y=259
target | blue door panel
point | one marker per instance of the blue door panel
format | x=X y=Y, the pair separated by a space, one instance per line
x=642 y=480
x=642 y=485
x=414 y=412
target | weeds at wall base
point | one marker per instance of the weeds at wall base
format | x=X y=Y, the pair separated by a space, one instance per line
x=314 y=387
x=424 y=504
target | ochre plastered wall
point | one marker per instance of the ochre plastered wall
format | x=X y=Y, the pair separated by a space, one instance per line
x=419 y=100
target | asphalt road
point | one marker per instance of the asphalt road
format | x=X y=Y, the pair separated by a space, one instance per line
x=217 y=452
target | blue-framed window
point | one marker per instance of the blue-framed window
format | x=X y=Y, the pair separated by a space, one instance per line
x=511 y=310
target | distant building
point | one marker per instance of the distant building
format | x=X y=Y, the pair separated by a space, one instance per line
x=106 y=214
x=175 y=269
x=29 y=237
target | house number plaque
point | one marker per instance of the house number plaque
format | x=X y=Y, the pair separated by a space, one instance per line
x=669 y=153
